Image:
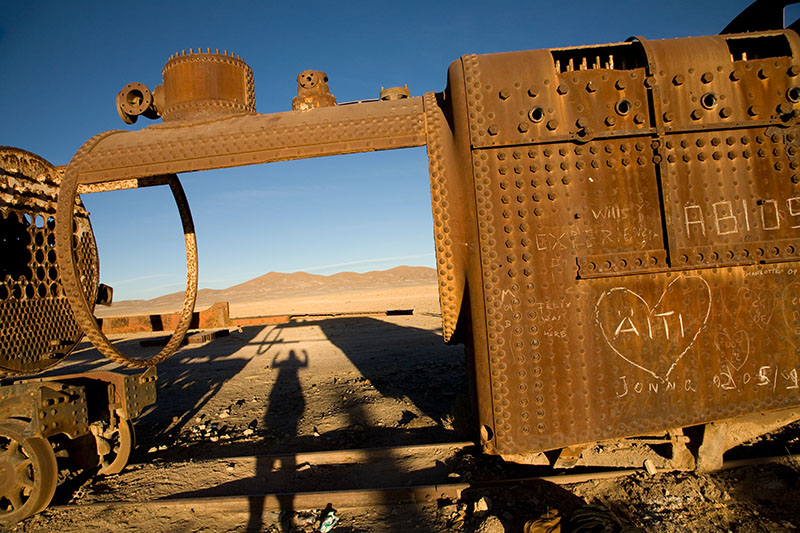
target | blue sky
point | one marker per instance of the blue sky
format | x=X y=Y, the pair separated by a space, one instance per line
x=62 y=63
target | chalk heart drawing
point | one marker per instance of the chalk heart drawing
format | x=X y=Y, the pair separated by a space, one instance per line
x=655 y=337
x=734 y=349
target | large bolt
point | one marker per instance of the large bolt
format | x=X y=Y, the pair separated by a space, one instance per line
x=552 y=124
x=784 y=108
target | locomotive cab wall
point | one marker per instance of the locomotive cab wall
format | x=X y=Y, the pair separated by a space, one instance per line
x=625 y=222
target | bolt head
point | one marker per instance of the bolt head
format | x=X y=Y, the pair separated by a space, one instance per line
x=638 y=119
x=610 y=121
x=669 y=116
x=504 y=94
x=591 y=87
x=753 y=110
x=492 y=130
x=793 y=71
x=620 y=84
x=735 y=75
x=523 y=127
x=678 y=79
x=707 y=77
x=725 y=112
x=552 y=124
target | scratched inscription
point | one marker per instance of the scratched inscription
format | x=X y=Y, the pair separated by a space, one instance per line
x=654 y=337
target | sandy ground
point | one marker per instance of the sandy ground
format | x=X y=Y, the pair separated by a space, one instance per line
x=361 y=382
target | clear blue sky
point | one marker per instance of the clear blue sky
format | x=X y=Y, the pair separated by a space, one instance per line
x=62 y=63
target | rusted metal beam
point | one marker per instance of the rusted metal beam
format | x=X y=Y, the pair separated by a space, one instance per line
x=253 y=139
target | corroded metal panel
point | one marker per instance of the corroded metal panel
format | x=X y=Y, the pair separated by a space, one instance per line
x=253 y=139
x=608 y=306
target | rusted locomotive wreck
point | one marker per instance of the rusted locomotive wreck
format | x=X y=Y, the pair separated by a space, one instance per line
x=617 y=235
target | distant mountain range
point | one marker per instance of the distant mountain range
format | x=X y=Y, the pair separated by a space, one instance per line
x=276 y=285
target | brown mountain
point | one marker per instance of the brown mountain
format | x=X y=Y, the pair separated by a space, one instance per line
x=276 y=285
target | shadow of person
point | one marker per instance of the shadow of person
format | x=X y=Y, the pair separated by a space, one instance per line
x=285 y=407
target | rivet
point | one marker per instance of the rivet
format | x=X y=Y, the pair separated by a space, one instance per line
x=552 y=124
x=678 y=79
x=591 y=87
x=504 y=94
x=707 y=77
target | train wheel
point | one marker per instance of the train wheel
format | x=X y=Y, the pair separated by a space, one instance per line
x=116 y=450
x=28 y=473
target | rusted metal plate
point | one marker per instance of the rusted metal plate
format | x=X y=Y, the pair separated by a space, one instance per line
x=252 y=139
x=215 y=316
x=589 y=322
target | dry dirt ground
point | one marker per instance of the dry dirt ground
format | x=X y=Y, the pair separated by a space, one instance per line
x=363 y=382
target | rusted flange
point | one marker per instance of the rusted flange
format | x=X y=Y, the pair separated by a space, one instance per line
x=70 y=276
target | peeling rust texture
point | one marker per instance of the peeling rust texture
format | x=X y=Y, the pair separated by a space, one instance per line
x=37 y=329
x=251 y=139
x=637 y=213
